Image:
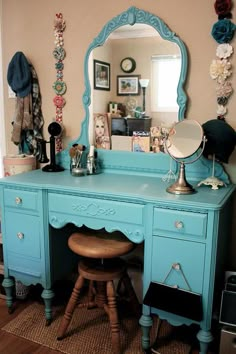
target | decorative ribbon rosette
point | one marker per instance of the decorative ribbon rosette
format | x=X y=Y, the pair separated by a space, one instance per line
x=223 y=8
x=59 y=101
x=221 y=68
x=59 y=85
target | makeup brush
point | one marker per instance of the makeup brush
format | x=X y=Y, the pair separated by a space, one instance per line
x=81 y=149
x=72 y=152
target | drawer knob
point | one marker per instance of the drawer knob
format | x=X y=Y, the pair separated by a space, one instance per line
x=179 y=224
x=176 y=266
x=20 y=235
x=18 y=200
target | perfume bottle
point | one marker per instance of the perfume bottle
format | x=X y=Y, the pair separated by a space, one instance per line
x=91 y=167
x=72 y=163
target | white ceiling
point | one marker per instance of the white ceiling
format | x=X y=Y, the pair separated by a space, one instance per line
x=136 y=31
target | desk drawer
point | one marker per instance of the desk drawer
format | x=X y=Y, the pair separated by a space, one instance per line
x=181 y=224
x=21 y=199
x=23 y=235
x=188 y=254
x=19 y=265
x=96 y=208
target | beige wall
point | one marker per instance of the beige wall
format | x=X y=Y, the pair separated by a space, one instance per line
x=28 y=27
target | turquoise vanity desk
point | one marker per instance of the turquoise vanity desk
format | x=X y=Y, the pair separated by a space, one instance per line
x=189 y=230
x=128 y=195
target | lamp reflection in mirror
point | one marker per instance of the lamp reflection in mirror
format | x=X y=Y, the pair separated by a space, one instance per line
x=144 y=84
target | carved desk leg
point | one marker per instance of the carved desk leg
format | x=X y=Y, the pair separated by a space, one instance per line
x=146 y=323
x=8 y=285
x=204 y=337
x=47 y=296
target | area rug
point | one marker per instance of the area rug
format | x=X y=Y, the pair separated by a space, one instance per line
x=89 y=332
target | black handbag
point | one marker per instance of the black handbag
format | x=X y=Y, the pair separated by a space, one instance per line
x=172 y=299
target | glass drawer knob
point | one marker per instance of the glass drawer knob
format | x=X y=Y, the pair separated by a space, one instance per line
x=18 y=200
x=20 y=235
x=179 y=224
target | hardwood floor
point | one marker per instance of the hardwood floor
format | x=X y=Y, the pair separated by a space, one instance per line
x=10 y=344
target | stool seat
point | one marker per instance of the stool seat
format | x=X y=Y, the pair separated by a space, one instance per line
x=100 y=245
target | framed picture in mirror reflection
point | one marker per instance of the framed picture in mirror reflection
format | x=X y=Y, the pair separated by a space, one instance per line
x=101 y=72
x=128 y=85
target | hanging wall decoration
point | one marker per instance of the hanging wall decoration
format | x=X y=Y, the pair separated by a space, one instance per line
x=220 y=136
x=59 y=85
x=221 y=67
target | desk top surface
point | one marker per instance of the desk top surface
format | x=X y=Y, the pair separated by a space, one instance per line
x=140 y=189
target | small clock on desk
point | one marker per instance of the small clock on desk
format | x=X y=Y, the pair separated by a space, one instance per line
x=128 y=65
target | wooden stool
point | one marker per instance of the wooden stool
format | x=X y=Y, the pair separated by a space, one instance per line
x=101 y=266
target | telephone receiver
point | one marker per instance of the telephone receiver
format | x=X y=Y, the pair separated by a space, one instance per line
x=54 y=130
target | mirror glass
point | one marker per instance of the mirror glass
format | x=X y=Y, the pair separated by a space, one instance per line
x=158 y=60
x=185 y=139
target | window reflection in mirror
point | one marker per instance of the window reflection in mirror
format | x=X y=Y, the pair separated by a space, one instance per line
x=164 y=81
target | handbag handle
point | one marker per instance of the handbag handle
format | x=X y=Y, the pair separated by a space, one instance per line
x=177 y=267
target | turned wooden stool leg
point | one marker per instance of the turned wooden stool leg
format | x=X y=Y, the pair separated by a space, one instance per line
x=134 y=303
x=101 y=293
x=70 y=307
x=111 y=309
x=91 y=296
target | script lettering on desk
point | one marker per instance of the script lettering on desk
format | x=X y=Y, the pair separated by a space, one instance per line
x=93 y=210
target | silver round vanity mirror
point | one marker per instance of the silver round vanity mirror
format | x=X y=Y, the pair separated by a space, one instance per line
x=182 y=142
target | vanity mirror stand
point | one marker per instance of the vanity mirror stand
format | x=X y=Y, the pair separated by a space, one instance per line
x=128 y=195
x=181 y=143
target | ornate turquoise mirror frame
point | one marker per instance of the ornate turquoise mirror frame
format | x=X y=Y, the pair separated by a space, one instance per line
x=122 y=161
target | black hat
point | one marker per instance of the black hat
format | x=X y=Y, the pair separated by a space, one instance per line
x=221 y=139
x=19 y=75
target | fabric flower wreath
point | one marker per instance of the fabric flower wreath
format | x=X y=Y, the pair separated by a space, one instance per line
x=59 y=87
x=224 y=90
x=221 y=110
x=59 y=53
x=220 y=70
x=223 y=31
x=59 y=23
x=224 y=50
x=59 y=75
x=59 y=101
x=59 y=65
x=223 y=8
